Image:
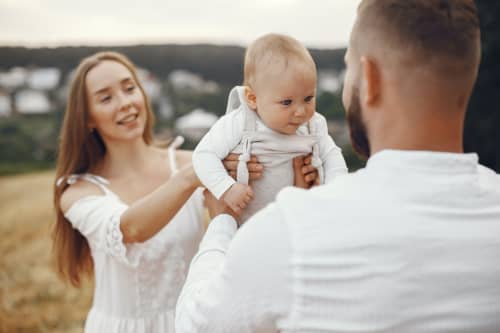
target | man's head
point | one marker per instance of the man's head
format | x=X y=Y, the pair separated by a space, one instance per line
x=280 y=81
x=405 y=61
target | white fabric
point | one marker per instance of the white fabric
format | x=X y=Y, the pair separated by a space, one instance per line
x=136 y=285
x=408 y=244
x=241 y=131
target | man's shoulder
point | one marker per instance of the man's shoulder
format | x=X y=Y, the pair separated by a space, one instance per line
x=489 y=178
x=343 y=186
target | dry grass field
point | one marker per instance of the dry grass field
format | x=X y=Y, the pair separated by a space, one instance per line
x=32 y=299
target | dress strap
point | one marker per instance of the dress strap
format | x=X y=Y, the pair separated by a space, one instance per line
x=91 y=178
x=178 y=141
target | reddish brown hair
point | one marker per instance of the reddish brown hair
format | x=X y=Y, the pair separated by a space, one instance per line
x=79 y=151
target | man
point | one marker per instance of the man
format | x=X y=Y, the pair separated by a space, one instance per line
x=410 y=243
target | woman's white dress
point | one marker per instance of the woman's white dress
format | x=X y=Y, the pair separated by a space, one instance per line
x=136 y=285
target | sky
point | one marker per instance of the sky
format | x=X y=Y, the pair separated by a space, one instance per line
x=36 y=23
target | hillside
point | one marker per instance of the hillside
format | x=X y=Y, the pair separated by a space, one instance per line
x=219 y=63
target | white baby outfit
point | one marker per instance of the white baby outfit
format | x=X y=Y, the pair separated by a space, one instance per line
x=241 y=131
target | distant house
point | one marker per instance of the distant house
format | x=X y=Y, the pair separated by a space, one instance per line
x=329 y=81
x=165 y=108
x=44 y=78
x=185 y=80
x=30 y=101
x=150 y=83
x=14 y=78
x=5 y=106
x=195 y=124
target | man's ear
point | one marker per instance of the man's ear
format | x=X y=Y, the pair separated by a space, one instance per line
x=251 y=98
x=371 y=81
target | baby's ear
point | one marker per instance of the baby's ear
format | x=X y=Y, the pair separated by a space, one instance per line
x=251 y=98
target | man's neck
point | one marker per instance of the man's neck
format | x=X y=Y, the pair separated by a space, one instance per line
x=445 y=135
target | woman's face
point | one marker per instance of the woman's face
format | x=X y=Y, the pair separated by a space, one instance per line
x=117 y=107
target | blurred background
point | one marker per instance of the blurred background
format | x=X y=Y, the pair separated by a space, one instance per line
x=189 y=56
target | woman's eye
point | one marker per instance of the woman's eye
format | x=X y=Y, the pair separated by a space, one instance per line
x=308 y=99
x=130 y=88
x=286 y=102
x=105 y=99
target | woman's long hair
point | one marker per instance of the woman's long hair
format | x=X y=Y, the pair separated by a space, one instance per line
x=80 y=149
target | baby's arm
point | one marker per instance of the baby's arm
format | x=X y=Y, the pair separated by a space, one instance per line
x=220 y=140
x=331 y=155
x=237 y=197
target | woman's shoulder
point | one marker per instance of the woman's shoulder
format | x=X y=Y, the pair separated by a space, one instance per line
x=183 y=157
x=77 y=191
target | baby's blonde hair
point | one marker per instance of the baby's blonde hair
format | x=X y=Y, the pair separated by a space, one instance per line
x=273 y=49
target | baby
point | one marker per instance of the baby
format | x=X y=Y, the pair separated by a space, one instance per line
x=273 y=117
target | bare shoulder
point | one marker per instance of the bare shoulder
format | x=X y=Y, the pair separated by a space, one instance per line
x=183 y=157
x=76 y=192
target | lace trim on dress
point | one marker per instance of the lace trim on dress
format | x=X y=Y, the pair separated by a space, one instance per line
x=115 y=246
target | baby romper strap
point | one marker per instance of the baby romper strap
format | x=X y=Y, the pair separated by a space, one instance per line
x=316 y=160
x=242 y=174
x=235 y=99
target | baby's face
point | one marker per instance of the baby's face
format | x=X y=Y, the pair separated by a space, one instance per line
x=285 y=98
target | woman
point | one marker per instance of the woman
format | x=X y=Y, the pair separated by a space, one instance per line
x=116 y=192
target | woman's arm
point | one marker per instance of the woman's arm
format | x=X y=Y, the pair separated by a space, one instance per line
x=145 y=217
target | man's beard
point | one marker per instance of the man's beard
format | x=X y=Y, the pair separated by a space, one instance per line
x=357 y=128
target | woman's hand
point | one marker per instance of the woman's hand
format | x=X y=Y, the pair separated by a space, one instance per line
x=255 y=169
x=237 y=197
x=305 y=175
x=217 y=207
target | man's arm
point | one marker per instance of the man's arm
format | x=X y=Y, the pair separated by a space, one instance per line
x=239 y=284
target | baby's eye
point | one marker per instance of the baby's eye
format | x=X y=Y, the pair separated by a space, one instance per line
x=130 y=88
x=308 y=99
x=286 y=102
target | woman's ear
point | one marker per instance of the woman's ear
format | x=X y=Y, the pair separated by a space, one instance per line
x=370 y=81
x=251 y=98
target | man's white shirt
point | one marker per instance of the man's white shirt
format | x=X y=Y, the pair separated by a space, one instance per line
x=408 y=244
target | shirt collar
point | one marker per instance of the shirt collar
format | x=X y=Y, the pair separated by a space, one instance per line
x=444 y=162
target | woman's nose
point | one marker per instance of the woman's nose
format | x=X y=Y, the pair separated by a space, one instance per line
x=124 y=100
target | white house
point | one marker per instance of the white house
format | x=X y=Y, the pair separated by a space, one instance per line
x=44 y=78
x=195 y=124
x=186 y=80
x=14 y=78
x=150 y=83
x=329 y=81
x=165 y=107
x=30 y=101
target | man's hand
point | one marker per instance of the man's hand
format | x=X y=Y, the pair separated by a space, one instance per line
x=254 y=167
x=237 y=197
x=305 y=175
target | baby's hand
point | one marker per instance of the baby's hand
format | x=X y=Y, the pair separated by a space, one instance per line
x=237 y=197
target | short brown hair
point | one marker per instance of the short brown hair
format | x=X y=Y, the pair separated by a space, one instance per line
x=441 y=33
x=272 y=49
